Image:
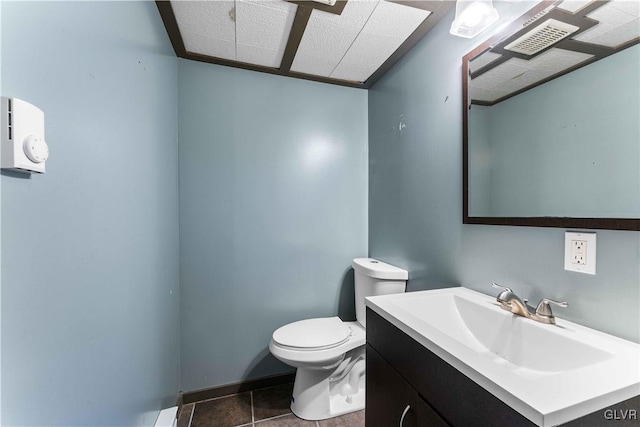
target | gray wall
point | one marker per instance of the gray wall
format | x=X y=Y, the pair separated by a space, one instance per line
x=415 y=203
x=90 y=263
x=273 y=207
x=570 y=147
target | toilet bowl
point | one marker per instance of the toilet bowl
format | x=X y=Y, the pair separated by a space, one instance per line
x=329 y=354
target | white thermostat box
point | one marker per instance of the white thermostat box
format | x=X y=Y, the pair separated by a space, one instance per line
x=22 y=136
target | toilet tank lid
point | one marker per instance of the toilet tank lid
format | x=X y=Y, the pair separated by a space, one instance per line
x=378 y=269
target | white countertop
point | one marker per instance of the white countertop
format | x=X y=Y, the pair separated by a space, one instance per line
x=554 y=391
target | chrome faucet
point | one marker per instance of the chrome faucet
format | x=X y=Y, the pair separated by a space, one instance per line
x=513 y=303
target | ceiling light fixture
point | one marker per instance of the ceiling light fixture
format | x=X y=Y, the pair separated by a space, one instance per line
x=473 y=17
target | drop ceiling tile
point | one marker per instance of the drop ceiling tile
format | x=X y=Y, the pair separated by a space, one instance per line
x=573 y=5
x=263 y=27
x=554 y=59
x=385 y=31
x=210 y=18
x=353 y=72
x=315 y=65
x=259 y=56
x=354 y=14
x=632 y=7
x=371 y=49
x=543 y=73
x=368 y=51
x=325 y=40
x=203 y=45
x=620 y=35
x=483 y=60
x=498 y=76
x=525 y=79
x=517 y=74
x=482 y=94
x=485 y=81
x=395 y=20
x=609 y=18
x=275 y=4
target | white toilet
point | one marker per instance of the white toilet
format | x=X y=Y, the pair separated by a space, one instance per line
x=329 y=354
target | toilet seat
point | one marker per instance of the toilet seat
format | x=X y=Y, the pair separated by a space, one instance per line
x=319 y=358
x=313 y=334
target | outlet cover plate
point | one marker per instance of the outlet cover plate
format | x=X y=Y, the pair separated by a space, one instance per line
x=588 y=249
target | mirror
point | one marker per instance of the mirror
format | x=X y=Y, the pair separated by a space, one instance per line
x=551 y=115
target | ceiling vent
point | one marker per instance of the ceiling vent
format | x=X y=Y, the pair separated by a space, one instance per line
x=541 y=37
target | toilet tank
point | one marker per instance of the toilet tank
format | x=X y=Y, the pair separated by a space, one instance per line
x=373 y=277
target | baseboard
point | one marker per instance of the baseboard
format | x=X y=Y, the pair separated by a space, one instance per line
x=239 y=387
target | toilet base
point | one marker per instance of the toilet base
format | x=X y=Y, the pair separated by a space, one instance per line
x=319 y=394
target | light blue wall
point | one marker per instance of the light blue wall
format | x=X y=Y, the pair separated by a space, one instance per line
x=480 y=162
x=273 y=198
x=415 y=203
x=576 y=154
x=90 y=261
x=273 y=207
x=0 y=231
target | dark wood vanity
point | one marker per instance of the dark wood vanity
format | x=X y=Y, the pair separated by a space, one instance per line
x=402 y=373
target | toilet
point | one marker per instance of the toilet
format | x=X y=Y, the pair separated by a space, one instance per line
x=329 y=354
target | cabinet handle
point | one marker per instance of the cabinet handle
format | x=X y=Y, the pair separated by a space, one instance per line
x=404 y=414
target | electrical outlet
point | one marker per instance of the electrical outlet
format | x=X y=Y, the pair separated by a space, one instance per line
x=580 y=252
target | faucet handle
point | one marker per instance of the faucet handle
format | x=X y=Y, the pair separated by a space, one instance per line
x=544 y=309
x=558 y=303
x=495 y=285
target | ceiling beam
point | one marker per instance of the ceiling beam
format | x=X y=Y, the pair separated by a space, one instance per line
x=303 y=13
x=171 y=25
x=336 y=8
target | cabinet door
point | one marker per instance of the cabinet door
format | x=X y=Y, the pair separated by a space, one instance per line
x=427 y=417
x=387 y=395
x=391 y=401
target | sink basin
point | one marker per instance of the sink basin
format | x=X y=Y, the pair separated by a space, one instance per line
x=496 y=333
x=551 y=374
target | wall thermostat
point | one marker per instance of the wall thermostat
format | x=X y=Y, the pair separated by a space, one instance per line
x=23 y=147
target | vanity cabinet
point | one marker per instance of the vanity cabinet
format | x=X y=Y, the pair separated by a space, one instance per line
x=392 y=401
x=401 y=372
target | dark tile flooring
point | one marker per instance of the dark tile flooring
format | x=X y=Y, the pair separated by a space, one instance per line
x=267 y=407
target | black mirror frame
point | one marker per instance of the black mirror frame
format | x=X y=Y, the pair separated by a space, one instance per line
x=632 y=224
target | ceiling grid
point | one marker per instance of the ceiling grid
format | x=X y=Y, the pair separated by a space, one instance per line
x=602 y=29
x=351 y=43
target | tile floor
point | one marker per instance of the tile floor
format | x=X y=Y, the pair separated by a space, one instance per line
x=267 y=407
